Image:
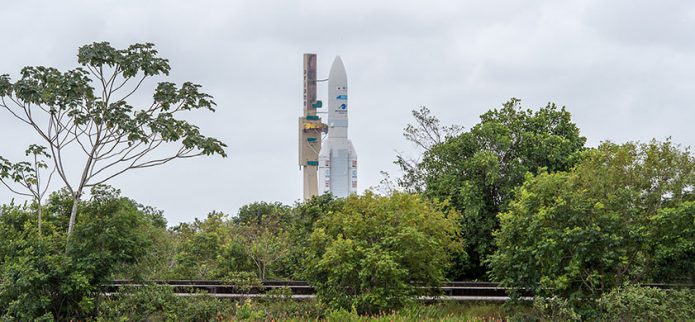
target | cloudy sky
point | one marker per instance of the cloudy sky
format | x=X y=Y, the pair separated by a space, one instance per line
x=624 y=69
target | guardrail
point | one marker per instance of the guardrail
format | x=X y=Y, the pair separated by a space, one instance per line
x=451 y=291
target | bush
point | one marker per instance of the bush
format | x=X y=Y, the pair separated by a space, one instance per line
x=672 y=238
x=45 y=276
x=159 y=303
x=578 y=234
x=369 y=253
x=244 y=282
x=554 y=309
x=41 y=282
x=635 y=303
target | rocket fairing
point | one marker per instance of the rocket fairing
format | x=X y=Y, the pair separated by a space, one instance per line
x=337 y=158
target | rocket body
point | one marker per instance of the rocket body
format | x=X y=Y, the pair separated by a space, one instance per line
x=337 y=158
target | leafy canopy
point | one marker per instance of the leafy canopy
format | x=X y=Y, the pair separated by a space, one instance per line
x=479 y=170
x=368 y=253
x=87 y=115
x=611 y=219
x=39 y=280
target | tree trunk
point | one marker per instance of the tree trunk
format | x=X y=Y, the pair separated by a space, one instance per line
x=39 y=213
x=73 y=213
x=261 y=270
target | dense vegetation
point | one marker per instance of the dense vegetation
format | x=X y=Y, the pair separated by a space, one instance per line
x=41 y=279
x=517 y=199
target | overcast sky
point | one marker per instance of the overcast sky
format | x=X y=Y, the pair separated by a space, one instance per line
x=624 y=69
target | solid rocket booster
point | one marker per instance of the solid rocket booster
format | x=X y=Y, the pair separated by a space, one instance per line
x=337 y=159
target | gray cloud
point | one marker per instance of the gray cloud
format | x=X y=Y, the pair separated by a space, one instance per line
x=623 y=68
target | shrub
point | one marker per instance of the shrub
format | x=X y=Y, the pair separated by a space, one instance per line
x=244 y=282
x=42 y=279
x=369 y=253
x=636 y=303
x=579 y=234
x=159 y=303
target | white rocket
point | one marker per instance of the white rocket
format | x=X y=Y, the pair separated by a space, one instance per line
x=337 y=159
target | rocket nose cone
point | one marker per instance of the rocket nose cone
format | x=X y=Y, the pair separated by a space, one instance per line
x=337 y=69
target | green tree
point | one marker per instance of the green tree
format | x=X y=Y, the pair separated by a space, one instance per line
x=371 y=253
x=671 y=235
x=200 y=245
x=265 y=244
x=479 y=170
x=579 y=234
x=303 y=218
x=24 y=178
x=40 y=281
x=259 y=212
x=264 y=233
x=85 y=115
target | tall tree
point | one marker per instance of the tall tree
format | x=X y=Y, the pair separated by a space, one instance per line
x=480 y=168
x=85 y=116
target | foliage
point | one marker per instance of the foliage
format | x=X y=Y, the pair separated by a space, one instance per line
x=218 y=247
x=159 y=303
x=41 y=280
x=482 y=312
x=258 y=213
x=369 y=253
x=303 y=219
x=579 y=234
x=479 y=170
x=98 y=124
x=244 y=282
x=265 y=244
x=263 y=230
x=268 y=238
x=636 y=303
x=113 y=233
x=671 y=235
x=159 y=260
x=200 y=244
x=552 y=309
x=24 y=178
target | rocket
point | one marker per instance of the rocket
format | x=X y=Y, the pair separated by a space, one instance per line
x=337 y=158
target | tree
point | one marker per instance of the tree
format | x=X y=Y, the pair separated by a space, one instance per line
x=40 y=281
x=201 y=245
x=374 y=252
x=671 y=234
x=259 y=212
x=303 y=219
x=424 y=134
x=263 y=229
x=86 y=113
x=27 y=175
x=581 y=233
x=479 y=170
x=265 y=243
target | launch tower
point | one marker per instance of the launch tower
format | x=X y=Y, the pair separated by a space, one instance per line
x=335 y=158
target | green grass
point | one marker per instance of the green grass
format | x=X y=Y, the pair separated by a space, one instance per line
x=484 y=312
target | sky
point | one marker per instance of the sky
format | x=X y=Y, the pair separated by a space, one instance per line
x=624 y=69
